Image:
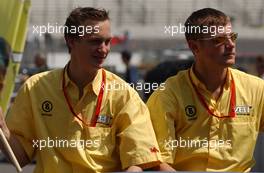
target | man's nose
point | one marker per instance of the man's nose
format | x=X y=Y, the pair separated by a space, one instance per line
x=230 y=43
x=104 y=47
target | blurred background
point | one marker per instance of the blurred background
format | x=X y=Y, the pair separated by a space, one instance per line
x=138 y=27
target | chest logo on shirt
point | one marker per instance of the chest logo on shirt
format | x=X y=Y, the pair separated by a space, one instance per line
x=47 y=106
x=243 y=110
x=190 y=111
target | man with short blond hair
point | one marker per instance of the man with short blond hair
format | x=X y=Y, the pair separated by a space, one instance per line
x=208 y=117
x=70 y=121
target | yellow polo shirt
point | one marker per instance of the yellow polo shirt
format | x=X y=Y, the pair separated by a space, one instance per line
x=191 y=139
x=63 y=144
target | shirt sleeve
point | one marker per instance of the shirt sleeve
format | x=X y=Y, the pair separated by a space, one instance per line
x=20 y=120
x=261 y=124
x=137 y=141
x=162 y=108
x=261 y=128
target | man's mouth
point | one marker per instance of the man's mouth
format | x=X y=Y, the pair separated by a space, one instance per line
x=230 y=54
x=99 y=57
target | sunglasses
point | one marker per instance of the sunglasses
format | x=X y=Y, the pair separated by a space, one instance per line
x=222 y=39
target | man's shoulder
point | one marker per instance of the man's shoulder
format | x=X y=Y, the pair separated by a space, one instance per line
x=111 y=77
x=176 y=83
x=120 y=92
x=245 y=78
x=117 y=85
x=179 y=77
x=48 y=77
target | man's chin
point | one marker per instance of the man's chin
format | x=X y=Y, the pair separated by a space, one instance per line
x=98 y=66
x=229 y=63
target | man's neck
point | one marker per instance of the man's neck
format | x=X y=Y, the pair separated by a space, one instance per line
x=212 y=77
x=80 y=76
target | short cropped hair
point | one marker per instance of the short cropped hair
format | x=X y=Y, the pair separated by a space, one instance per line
x=79 y=16
x=205 y=17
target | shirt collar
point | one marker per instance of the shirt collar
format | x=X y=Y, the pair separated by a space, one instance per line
x=96 y=83
x=201 y=85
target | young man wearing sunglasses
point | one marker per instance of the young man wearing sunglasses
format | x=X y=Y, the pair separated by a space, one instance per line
x=70 y=119
x=209 y=116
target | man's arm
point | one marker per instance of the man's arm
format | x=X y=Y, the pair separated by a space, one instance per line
x=134 y=169
x=137 y=142
x=161 y=167
x=163 y=108
x=13 y=142
x=164 y=167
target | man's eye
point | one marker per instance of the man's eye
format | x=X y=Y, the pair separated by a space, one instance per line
x=95 y=41
x=219 y=40
x=107 y=41
x=98 y=41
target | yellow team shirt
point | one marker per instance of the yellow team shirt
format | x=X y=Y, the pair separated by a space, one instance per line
x=191 y=139
x=47 y=129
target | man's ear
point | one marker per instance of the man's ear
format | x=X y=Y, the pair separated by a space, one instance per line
x=70 y=42
x=193 y=45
